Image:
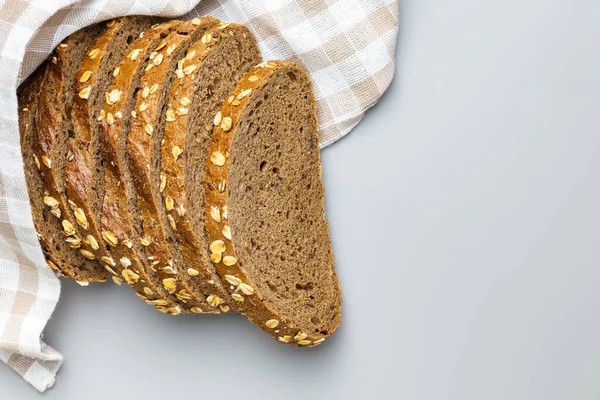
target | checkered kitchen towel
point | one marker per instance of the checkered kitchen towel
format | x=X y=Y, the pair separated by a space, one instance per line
x=347 y=45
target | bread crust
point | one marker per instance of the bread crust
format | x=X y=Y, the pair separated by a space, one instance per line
x=51 y=133
x=222 y=244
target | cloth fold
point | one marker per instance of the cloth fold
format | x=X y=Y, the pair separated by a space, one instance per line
x=348 y=46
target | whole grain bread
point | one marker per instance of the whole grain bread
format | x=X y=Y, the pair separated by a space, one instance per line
x=223 y=55
x=265 y=216
x=84 y=169
x=56 y=250
x=120 y=216
x=143 y=147
x=52 y=129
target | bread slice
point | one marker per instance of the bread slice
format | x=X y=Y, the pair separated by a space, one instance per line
x=52 y=129
x=223 y=55
x=143 y=148
x=55 y=249
x=84 y=169
x=265 y=215
x=120 y=219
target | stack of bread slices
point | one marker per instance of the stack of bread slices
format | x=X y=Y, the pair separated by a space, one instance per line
x=168 y=155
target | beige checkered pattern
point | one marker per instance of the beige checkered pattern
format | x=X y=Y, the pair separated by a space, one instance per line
x=346 y=45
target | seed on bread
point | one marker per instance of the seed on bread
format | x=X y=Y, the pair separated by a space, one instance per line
x=172 y=222
x=300 y=336
x=113 y=96
x=94 y=53
x=226 y=231
x=163 y=182
x=108 y=260
x=214 y=300
x=229 y=260
x=85 y=92
x=217 y=158
x=284 y=338
x=74 y=242
x=272 y=323
x=134 y=54
x=81 y=218
x=170 y=115
x=130 y=276
x=215 y=258
x=68 y=227
x=110 y=238
x=189 y=69
x=243 y=94
x=215 y=213
x=169 y=202
x=87 y=254
x=237 y=297
x=37 y=162
x=50 y=201
x=85 y=76
x=246 y=289
x=234 y=280
x=217 y=246
x=226 y=124
x=92 y=242
x=217 y=120
x=176 y=152
x=170 y=284
x=149 y=129
x=47 y=162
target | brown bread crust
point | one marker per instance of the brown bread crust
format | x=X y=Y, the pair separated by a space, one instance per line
x=49 y=233
x=279 y=324
x=186 y=133
x=51 y=134
x=143 y=147
x=118 y=217
x=84 y=180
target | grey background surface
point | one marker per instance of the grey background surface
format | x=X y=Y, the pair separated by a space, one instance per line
x=465 y=215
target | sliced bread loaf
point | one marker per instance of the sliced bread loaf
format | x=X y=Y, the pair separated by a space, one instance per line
x=84 y=169
x=223 y=55
x=143 y=148
x=265 y=214
x=120 y=220
x=52 y=129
